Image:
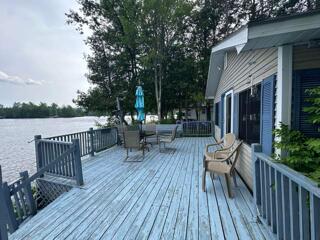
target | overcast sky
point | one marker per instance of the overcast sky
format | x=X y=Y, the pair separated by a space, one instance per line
x=41 y=57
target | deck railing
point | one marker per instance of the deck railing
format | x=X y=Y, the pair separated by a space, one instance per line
x=18 y=199
x=197 y=129
x=91 y=141
x=61 y=159
x=287 y=201
x=58 y=161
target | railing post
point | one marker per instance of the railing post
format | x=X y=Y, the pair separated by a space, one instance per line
x=6 y=205
x=37 y=139
x=77 y=162
x=3 y=222
x=91 y=141
x=255 y=148
x=28 y=193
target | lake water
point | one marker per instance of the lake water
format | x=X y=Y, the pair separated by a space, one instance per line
x=17 y=155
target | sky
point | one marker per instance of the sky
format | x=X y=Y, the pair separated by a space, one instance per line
x=41 y=57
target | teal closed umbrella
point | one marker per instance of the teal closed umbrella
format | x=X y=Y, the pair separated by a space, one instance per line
x=139 y=105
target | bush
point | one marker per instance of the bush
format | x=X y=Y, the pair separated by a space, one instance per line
x=301 y=153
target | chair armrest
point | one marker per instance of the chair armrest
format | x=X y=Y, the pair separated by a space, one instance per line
x=211 y=145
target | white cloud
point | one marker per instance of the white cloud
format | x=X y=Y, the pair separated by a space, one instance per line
x=18 y=80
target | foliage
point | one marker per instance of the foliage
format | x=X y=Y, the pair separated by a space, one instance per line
x=302 y=153
x=314 y=109
x=163 y=45
x=31 y=110
x=168 y=121
x=111 y=121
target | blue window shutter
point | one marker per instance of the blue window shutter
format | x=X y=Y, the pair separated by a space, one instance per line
x=303 y=80
x=236 y=114
x=222 y=115
x=267 y=114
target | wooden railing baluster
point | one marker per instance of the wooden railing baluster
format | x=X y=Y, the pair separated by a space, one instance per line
x=304 y=219
x=278 y=184
x=290 y=202
x=273 y=200
x=294 y=210
x=315 y=216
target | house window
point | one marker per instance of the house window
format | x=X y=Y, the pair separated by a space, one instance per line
x=249 y=115
x=216 y=114
x=228 y=112
x=303 y=80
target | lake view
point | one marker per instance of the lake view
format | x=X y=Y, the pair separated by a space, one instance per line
x=17 y=154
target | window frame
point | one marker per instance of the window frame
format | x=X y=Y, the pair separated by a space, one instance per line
x=217 y=114
x=230 y=92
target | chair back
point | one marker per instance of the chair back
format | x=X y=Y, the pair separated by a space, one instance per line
x=174 y=133
x=131 y=139
x=234 y=155
x=228 y=140
x=150 y=127
x=133 y=128
x=121 y=129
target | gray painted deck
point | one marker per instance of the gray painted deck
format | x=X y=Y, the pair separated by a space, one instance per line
x=159 y=198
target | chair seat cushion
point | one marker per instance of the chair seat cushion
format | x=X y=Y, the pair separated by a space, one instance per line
x=219 y=167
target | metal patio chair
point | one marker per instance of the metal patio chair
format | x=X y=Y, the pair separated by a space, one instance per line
x=132 y=140
x=167 y=138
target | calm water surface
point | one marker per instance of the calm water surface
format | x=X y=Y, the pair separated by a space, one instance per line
x=17 y=155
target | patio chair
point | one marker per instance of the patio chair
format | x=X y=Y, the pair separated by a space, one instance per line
x=221 y=163
x=152 y=139
x=225 y=145
x=167 y=138
x=132 y=140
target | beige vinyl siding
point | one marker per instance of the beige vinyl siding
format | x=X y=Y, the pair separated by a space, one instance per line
x=244 y=163
x=237 y=77
x=217 y=133
x=306 y=58
x=244 y=166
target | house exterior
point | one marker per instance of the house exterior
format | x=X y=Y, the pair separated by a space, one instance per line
x=257 y=78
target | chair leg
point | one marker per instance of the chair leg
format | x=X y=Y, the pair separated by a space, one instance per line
x=234 y=175
x=127 y=152
x=228 y=181
x=204 y=180
x=212 y=175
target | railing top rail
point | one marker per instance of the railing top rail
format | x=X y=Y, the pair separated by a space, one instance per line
x=86 y=131
x=62 y=135
x=197 y=122
x=55 y=141
x=295 y=176
x=98 y=129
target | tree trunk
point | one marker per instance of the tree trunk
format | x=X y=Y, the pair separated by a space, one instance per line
x=157 y=87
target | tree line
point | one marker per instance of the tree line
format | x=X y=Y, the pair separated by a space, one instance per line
x=42 y=110
x=163 y=45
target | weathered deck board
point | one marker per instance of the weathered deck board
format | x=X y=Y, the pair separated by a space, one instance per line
x=159 y=198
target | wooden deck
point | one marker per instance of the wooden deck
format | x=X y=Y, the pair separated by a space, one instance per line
x=159 y=198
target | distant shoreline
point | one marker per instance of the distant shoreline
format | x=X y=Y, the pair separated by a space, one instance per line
x=3 y=118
